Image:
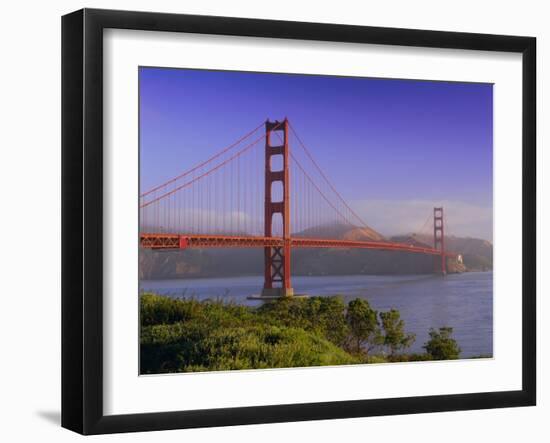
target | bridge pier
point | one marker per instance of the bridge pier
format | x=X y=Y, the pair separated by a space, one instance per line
x=440 y=261
x=277 y=259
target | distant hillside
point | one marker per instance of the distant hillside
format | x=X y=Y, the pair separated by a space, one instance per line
x=338 y=230
x=195 y=263
x=477 y=253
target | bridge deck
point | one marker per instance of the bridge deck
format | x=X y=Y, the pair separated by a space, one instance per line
x=177 y=241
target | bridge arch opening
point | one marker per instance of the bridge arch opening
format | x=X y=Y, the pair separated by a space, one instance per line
x=277 y=192
x=277 y=225
x=276 y=163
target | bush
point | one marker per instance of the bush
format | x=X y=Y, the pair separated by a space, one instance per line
x=188 y=335
x=441 y=346
x=156 y=309
x=194 y=346
x=321 y=315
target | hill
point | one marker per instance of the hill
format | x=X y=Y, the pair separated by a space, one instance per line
x=338 y=230
x=477 y=253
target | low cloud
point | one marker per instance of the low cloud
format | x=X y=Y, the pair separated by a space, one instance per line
x=199 y=220
x=392 y=217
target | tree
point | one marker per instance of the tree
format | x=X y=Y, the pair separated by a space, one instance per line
x=441 y=346
x=395 y=337
x=327 y=316
x=364 y=327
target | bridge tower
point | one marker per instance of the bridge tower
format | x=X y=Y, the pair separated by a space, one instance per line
x=277 y=259
x=440 y=262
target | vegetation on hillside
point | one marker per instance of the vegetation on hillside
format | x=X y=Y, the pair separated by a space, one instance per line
x=188 y=335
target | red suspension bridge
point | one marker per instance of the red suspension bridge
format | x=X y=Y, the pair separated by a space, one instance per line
x=246 y=197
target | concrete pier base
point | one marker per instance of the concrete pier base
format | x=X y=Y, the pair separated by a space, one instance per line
x=275 y=293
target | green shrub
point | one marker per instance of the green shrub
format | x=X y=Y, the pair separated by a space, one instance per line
x=323 y=315
x=441 y=346
x=188 y=335
x=192 y=346
x=156 y=309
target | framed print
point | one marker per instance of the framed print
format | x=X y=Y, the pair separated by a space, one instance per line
x=269 y=221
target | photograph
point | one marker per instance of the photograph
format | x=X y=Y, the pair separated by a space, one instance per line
x=293 y=220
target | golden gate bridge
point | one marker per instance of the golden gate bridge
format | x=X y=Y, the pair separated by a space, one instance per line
x=246 y=197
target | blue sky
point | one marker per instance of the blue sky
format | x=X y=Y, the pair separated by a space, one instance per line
x=393 y=148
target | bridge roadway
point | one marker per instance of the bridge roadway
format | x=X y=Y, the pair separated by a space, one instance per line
x=183 y=241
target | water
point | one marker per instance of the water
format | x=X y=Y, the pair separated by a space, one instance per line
x=462 y=301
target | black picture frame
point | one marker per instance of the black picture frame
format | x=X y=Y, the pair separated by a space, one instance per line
x=82 y=215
